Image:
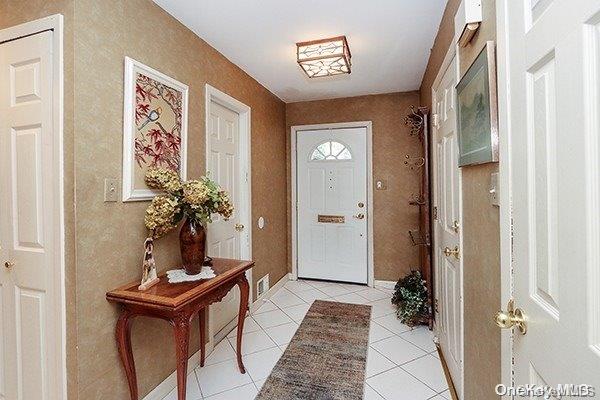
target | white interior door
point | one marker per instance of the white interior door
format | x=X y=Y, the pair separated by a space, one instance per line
x=447 y=197
x=332 y=204
x=30 y=332
x=554 y=67
x=225 y=238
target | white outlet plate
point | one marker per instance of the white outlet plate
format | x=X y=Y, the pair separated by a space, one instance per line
x=495 y=189
x=111 y=189
x=380 y=184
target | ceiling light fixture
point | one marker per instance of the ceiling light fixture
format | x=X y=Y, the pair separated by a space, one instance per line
x=324 y=57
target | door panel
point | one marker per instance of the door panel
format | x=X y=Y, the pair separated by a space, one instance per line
x=332 y=181
x=224 y=168
x=29 y=297
x=554 y=107
x=447 y=226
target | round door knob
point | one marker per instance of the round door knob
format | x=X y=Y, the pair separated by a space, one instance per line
x=9 y=264
x=511 y=317
x=239 y=227
x=360 y=216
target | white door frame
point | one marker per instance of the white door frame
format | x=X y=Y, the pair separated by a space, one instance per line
x=293 y=140
x=54 y=23
x=505 y=185
x=244 y=209
x=451 y=54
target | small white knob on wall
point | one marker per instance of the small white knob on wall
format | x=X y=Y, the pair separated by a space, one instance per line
x=261 y=223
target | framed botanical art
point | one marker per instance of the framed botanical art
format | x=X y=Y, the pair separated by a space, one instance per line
x=154 y=127
x=477 y=111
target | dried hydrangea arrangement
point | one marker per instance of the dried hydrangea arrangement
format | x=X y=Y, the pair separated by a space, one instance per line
x=197 y=200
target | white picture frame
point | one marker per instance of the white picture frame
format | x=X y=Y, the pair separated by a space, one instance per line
x=134 y=161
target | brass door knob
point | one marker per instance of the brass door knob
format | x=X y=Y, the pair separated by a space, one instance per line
x=511 y=317
x=360 y=216
x=455 y=252
x=9 y=264
x=239 y=227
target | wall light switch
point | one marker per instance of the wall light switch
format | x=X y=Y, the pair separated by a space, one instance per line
x=111 y=192
x=381 y=184
x=495 y=190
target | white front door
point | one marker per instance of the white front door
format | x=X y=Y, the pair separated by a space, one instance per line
x=332 y=204
x=554 y=67
x=30 y=333
x=447 y=197
x=225 y=237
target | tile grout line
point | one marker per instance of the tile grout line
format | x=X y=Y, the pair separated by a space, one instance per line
x=375 y=390
x=304 y=302
x=197 y=381
x=408 y=372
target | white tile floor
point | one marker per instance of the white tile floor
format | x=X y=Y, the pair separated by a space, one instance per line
x=401 y=364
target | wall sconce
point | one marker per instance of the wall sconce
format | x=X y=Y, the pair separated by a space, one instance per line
x=324 y=57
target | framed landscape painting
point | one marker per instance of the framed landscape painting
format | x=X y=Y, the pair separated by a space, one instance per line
x=154 y=127
x=477 y=111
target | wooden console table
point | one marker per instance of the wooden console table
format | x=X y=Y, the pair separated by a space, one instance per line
x=177 y=303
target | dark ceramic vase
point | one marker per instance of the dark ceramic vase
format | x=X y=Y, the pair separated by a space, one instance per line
x=192 y=242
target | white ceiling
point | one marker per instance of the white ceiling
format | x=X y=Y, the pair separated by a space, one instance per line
x=390 y=40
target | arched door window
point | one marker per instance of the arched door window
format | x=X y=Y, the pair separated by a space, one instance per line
x=331 y=151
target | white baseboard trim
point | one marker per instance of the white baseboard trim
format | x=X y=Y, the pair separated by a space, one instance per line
x=385 y=284
x=166 y=386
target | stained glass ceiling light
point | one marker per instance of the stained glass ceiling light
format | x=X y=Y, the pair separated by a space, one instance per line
x=324 y=57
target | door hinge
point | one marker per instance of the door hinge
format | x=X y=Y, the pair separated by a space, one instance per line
x=435 y=213
x=436 y=306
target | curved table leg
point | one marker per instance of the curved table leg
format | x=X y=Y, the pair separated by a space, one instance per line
x=202 y=321
x=244 y=294
x=181 y=325
x=123 y=335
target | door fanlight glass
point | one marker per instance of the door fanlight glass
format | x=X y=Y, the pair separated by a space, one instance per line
x=331 y=151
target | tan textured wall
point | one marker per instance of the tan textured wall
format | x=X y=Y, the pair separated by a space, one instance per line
x=481 y=228
x=110 y=235
x=394 y=254
x=15 y=12
x=440 y=47
x=481 y=253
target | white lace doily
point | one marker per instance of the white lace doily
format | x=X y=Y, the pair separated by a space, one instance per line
x=179 y=275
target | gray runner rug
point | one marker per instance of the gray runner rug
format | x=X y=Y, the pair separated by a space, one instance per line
x=327 y=357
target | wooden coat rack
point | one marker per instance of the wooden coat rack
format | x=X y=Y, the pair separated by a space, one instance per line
x=418 y=121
